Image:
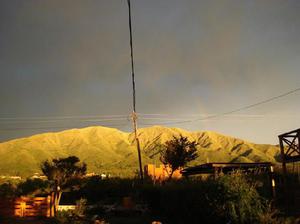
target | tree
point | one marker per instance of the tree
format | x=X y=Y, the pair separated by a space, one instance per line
x=177 y=153
x=33 y=186
x=8 y=190
x=60 y=172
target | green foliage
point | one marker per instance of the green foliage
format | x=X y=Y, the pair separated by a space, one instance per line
x=229 y=198
x=76 y=216
x=8 y=190
x=29 y=187
x=81 y=206
x=60 y=171
x=226 y=199
x=178 y=152
x=107 y=190
x=33 y=187
x=237 y=200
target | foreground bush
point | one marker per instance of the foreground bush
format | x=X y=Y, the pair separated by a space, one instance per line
x=237 y=200
x=227 y=199
x=76 y=216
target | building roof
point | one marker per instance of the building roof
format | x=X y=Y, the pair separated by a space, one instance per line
x=209 y=168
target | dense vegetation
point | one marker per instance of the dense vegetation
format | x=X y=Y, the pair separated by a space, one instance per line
x=234 y=198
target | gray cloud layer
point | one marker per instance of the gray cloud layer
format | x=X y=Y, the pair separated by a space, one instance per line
x=192 y=57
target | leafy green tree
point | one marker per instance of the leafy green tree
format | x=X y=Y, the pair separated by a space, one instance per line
x=177 y=152
x=8 y=190
x=33 y=186
x=62 y=171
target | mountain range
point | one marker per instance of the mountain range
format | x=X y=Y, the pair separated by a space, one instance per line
x=109 y=150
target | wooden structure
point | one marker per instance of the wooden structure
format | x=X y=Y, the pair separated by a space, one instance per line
x=290 y=153
x=289 y=147
x=216 y=168
x=27 y=207
x=160 y=173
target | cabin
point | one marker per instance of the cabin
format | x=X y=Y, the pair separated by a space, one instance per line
x=160 y=173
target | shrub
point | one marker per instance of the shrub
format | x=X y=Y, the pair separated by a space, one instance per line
x=237 y=200
x=7 y=190
x=76 y=216
x=228 y=198
x=33 y=187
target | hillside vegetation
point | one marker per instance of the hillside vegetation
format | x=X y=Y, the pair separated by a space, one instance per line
x=108 y=150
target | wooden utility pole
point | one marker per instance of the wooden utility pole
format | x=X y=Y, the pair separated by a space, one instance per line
x=134 y=119
x=134 y=116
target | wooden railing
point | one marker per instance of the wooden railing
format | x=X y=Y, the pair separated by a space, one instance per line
x=27 y=207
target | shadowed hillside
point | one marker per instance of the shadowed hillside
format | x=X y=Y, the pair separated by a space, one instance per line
x=113 y=151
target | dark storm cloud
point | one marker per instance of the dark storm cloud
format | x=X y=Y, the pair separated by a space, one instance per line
x=192 y=57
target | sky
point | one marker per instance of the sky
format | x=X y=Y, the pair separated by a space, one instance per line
x=66 y=64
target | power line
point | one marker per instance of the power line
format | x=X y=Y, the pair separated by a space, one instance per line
x=53 y=127
x=166 y=116
x=262 y=102
x=56 y=121
x=159 y=118
x=238 y=109
x=63 y=117
x=143 y=116
x=184 y=117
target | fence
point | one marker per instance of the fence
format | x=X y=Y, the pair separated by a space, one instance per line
x=27 y=207
x=288 y=188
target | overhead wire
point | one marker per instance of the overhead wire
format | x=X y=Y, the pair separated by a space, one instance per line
x=56 y=121
x=105 y=120
x=62 y=117
x=154 y=116
x=170 y=119
x=235 y=110
x=56 y=127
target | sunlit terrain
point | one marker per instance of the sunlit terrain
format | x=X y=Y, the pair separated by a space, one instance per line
x=108 y=150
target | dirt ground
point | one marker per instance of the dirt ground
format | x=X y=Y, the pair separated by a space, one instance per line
x=26 y=221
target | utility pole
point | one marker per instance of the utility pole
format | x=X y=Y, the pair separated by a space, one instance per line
x=134 y=115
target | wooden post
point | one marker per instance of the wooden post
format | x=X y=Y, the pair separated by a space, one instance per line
x=272 y=181
x=49 y=206
x=52 y=204
x=282 y=155
x=298 y=135
x=134 y=118
x=23 y=209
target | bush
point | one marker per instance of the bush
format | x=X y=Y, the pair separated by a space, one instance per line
x=237 y=200
x=108 y=190
x=7 y=190
x=76 y=216
x=33 y=187
x=225 y=199
x=228 y=198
